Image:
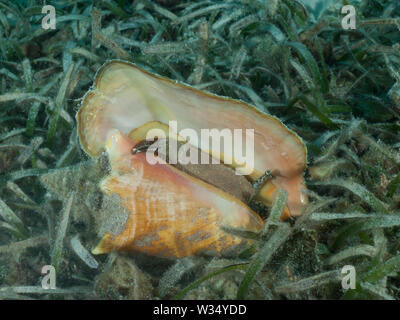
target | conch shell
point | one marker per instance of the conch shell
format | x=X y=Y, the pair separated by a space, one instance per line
x=173 y=213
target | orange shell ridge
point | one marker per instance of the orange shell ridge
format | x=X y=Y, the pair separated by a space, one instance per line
x=126 y=97
x=171 y=213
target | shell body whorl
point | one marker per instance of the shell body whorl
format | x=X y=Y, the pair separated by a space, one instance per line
x=171 y=213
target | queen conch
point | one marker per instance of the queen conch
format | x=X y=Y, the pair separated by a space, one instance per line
x=173 y=213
